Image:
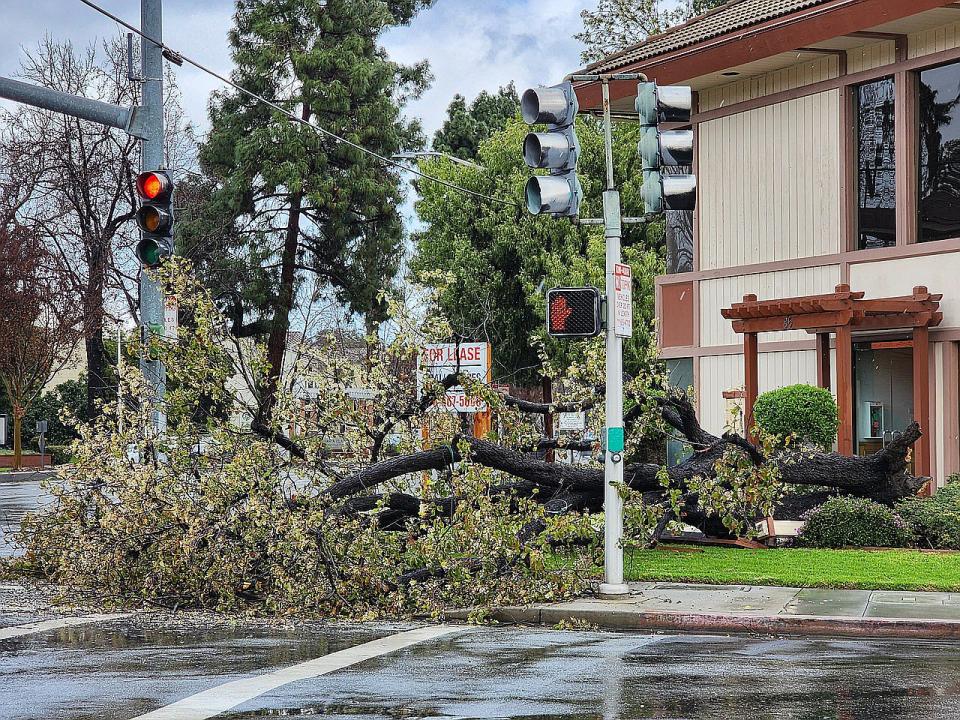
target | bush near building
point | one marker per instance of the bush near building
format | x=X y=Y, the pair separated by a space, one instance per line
x=935 y=521
x=854 y=522
x=806 y=412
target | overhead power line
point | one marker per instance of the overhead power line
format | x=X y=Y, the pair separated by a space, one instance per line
x=320 y=130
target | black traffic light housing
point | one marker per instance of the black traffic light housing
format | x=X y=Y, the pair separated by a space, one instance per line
x=155 y=217
x=573 y=312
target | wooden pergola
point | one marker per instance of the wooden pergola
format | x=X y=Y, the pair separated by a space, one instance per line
x=843 y=313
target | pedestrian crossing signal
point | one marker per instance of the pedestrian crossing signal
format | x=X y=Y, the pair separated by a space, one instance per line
x=573 y=312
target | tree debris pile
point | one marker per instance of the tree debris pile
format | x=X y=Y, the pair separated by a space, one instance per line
x=379 y=507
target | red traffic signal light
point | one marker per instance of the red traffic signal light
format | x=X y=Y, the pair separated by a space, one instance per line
x=155 y=217
x=573 y=312
x=154 y=185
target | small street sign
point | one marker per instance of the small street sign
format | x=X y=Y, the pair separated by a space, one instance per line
x=171 y=322
x=572 y=421
x=623 y=301
x=41 y=426
x=359 y=393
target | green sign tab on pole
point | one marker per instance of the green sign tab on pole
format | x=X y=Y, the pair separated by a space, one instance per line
x=615 y=440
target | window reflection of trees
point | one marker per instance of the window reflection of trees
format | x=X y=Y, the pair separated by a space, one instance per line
x=876 y=169
x=939 y=121
x=679 y=234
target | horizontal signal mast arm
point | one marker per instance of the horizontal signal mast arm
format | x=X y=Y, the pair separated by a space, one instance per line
x=122 y=118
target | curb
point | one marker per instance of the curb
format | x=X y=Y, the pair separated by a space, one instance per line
x=704 y=623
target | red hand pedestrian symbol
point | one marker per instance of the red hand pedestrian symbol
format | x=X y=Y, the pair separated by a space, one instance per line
x=559 y=312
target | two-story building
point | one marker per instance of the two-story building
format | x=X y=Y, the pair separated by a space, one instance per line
x=825 y=247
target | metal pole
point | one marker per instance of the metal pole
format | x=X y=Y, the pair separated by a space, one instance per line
x=613 y=584
x=119 y=379
x=127 y=119
x=151 y=295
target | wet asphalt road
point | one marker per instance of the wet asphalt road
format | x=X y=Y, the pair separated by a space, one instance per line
x=123 y=668
x=19 y=493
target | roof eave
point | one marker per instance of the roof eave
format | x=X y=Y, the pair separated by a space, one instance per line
x=801 y=28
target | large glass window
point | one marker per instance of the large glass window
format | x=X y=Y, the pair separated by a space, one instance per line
x=876 y=181
x=939 y=121
x=680 y=374
x=679 y=234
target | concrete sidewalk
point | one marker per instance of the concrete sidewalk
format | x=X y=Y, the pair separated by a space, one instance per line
x=752 y=609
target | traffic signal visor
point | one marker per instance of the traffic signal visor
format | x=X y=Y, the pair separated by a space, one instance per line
x=573 y=312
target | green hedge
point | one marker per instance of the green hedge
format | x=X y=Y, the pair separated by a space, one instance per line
x=853 y=522
x=935 y=520
x=809 y=413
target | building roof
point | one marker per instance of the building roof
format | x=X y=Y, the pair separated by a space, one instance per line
x=733 y=15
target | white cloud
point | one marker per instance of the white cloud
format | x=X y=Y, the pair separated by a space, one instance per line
x=475 y=46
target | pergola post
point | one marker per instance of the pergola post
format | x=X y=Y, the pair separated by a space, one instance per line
x=921 y=398
x=823 y=360
x=845 y=389
x=751 y=368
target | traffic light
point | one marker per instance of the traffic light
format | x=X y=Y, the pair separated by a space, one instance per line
x=665 y=148
x=573 y=312
x=155 y=217
x=556 y=150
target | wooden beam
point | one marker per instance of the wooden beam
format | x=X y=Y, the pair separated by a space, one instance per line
x=845 y=390
x=921 y=398
x=751 y=367
x=823 y=360
x=892 y=345
x=781 y=323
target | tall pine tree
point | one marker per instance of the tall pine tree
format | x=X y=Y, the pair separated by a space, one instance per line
x=288 y=200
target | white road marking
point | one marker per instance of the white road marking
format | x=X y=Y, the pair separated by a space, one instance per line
x=35 y=627
x=214 y=701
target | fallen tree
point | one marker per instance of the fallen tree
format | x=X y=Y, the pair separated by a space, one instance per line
x=414 y=514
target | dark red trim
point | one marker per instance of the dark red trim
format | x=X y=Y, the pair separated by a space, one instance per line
x=783 y=34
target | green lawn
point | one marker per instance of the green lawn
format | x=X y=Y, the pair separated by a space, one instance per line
x=874 y=570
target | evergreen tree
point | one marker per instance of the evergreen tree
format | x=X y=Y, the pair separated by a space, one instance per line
x=465 y=127
x=287 y=199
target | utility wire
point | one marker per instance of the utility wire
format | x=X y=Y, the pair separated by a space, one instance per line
x=292 y=116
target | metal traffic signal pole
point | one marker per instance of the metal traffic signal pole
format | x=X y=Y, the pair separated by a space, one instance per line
x=151 y=294
x=613 y=584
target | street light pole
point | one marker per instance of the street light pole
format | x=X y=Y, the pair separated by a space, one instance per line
x=151 y=294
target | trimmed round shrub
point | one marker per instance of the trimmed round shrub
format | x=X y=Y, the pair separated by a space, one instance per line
x=853 y=522
x=935 y=521
x=809 y=413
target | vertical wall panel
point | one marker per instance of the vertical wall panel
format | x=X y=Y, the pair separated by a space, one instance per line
x=770 y=183
x=722 y=373
x=788 y=78
x=871 y=56
x=723 y=292
x=945 y=37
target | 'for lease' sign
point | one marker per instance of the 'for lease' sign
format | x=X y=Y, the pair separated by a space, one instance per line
x=471 y=359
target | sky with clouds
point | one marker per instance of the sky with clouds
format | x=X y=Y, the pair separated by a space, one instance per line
x=472 y=45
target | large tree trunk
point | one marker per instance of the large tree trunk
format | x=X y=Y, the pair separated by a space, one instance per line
x=280 y=326
x=97 y=383
x=883 y=476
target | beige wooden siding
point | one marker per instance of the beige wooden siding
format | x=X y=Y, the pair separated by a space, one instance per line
x=892 y=278
x=871 y=56
x=789 y=78
x=723 y=292
x=934 y=40
x=720 y=373
x=770 y=182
